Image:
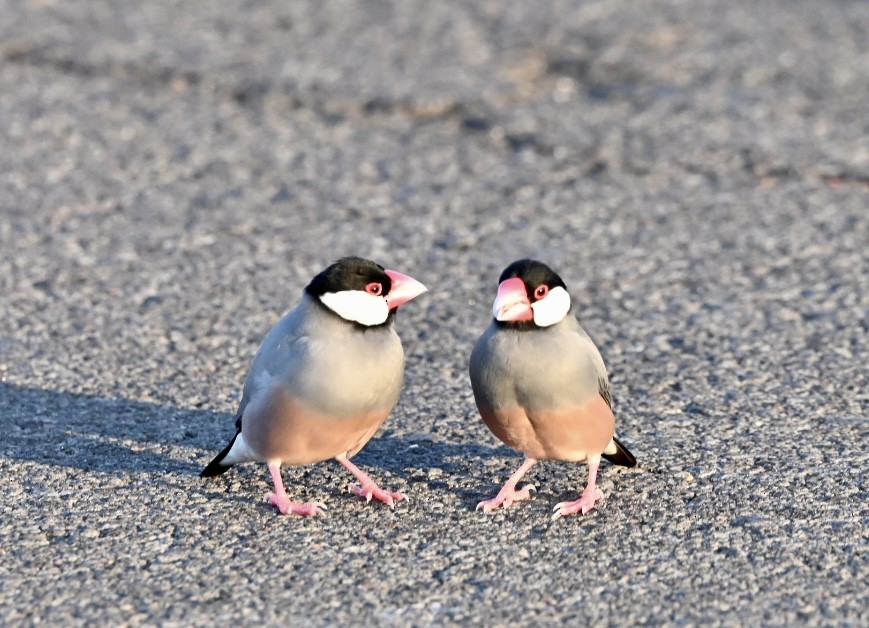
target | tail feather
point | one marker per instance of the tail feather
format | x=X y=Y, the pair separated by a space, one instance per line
x=622 y=456
x=215 y=467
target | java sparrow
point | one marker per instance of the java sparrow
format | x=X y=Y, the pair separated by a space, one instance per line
x=540 y=384
x=324 y=379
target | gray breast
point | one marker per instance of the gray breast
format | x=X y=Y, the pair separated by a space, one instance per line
x=535 y=369
x=349 y=372
x=327 y=364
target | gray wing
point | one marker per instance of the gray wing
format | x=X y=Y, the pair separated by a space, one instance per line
x=616 y=453
x=278 y=349
x=278 y=344
x=597 y=359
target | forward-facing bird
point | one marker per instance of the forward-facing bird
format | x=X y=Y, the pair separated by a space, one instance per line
x=541 y=385
x=324 y=379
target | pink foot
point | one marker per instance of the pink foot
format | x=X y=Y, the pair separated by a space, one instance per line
x=505 y=498
x=289 y=507
x=508 y=493
x=369 y=491
x=584 y=504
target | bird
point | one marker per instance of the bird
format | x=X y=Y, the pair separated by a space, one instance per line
x=541 y=386
x=324 y=379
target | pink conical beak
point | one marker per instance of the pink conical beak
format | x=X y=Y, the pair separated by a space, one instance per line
x=404 y=288
x=512 y=302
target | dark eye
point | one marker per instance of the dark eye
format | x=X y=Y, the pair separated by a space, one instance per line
x=374 y=288
x=542 y=291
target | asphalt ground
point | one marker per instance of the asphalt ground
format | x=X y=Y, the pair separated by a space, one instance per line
x=173 y=173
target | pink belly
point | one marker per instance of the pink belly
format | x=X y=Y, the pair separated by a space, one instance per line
x=283 y=429
x=564 y=434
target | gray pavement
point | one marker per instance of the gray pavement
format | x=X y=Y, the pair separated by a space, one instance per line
x=172 y=174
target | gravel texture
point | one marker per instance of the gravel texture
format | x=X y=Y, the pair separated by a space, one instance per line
x=173 y=173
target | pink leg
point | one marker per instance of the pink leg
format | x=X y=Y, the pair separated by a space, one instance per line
x=508 y=493
x=280 y=498
x=369 y=487
x=589 y=496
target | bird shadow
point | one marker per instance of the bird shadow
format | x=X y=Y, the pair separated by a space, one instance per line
x=95 y=433
x=458 y=465
x=398 y=455
x=100 y=434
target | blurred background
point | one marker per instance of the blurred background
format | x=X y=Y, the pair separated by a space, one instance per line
x=173 y=173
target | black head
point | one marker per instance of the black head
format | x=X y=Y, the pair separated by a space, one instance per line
x=530 y=296
x=351 y=273
x=534 y=275
x=362 y=292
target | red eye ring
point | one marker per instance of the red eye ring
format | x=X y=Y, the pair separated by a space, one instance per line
x=374 y=288
x=541 y=291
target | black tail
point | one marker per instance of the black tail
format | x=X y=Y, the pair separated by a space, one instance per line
x=214 y=467
x=622 y=455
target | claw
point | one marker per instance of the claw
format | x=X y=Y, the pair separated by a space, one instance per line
x=369 y=488
x=289 y=507
x=506 y=497
x=508 y=493
x=584 y=504
x=369 y=491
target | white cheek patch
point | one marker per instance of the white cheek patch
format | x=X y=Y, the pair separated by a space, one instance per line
x=357 y=306
x=552 y=308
